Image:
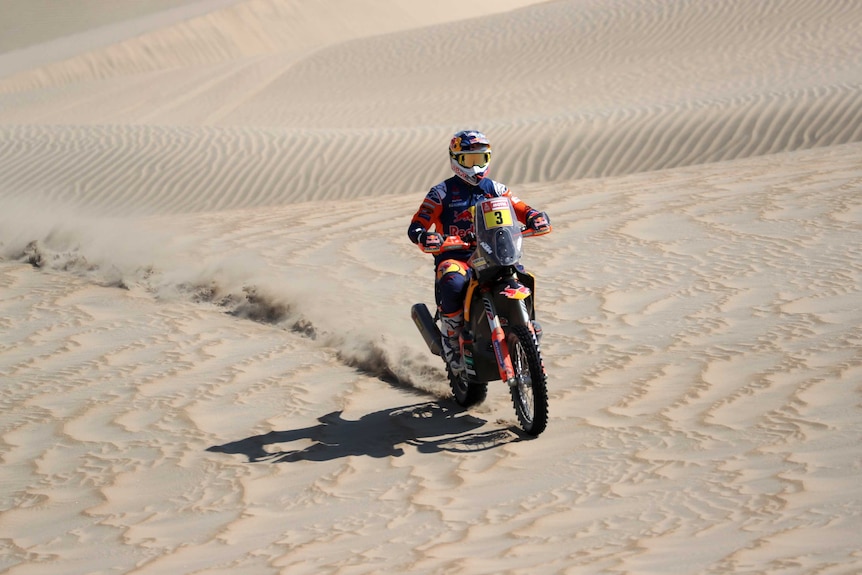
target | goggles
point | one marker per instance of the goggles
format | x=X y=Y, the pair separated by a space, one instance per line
x=473 y=159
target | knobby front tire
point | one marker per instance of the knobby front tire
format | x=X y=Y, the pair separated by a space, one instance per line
x=530 y=394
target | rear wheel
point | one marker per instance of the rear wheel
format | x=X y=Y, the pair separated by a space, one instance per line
x=530 y=392
x=466 y=394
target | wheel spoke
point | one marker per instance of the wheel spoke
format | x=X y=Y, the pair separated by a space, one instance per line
x=529 y=395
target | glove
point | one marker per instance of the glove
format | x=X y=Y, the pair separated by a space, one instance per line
x=430 y=241
x=538 y=222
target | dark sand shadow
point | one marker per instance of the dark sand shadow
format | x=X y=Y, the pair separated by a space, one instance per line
x=431 y=427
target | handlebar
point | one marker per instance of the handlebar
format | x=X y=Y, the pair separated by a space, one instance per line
x=454 y=243
x=531 y=233
x=450 y=243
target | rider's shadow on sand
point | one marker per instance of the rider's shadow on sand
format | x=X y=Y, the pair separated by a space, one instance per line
x=431 y=427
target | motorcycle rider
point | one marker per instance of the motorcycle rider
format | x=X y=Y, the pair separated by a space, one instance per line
x=446 y=208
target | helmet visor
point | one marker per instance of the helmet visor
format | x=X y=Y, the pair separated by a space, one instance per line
x=473 y=159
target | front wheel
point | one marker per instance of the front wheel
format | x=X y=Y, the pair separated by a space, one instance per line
x=530 y=392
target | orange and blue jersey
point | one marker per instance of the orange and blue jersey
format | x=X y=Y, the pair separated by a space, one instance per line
x=447 y=209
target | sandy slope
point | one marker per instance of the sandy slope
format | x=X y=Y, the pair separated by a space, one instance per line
x=206 y=357
x=566 y=89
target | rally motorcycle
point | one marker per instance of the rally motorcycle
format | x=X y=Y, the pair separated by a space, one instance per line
x=500 y=339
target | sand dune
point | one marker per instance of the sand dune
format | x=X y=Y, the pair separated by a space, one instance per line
x=586 y=91
x=190 y=33
x=206 y=357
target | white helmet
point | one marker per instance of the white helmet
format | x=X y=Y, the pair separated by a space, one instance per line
x=470 y=155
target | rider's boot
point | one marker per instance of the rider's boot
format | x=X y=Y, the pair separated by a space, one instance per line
x=452 y=325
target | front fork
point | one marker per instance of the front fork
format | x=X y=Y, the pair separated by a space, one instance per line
x=498 y=341
x=514 y=309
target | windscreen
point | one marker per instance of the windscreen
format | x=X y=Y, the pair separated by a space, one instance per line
x=498 y=231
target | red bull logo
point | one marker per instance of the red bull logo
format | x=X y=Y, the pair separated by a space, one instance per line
x=465 y=216
x=458 y=228
x=516 y=292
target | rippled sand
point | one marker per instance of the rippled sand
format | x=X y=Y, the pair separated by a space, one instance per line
x=207 y=363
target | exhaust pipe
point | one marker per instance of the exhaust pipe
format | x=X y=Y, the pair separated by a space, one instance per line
x=427 y=327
